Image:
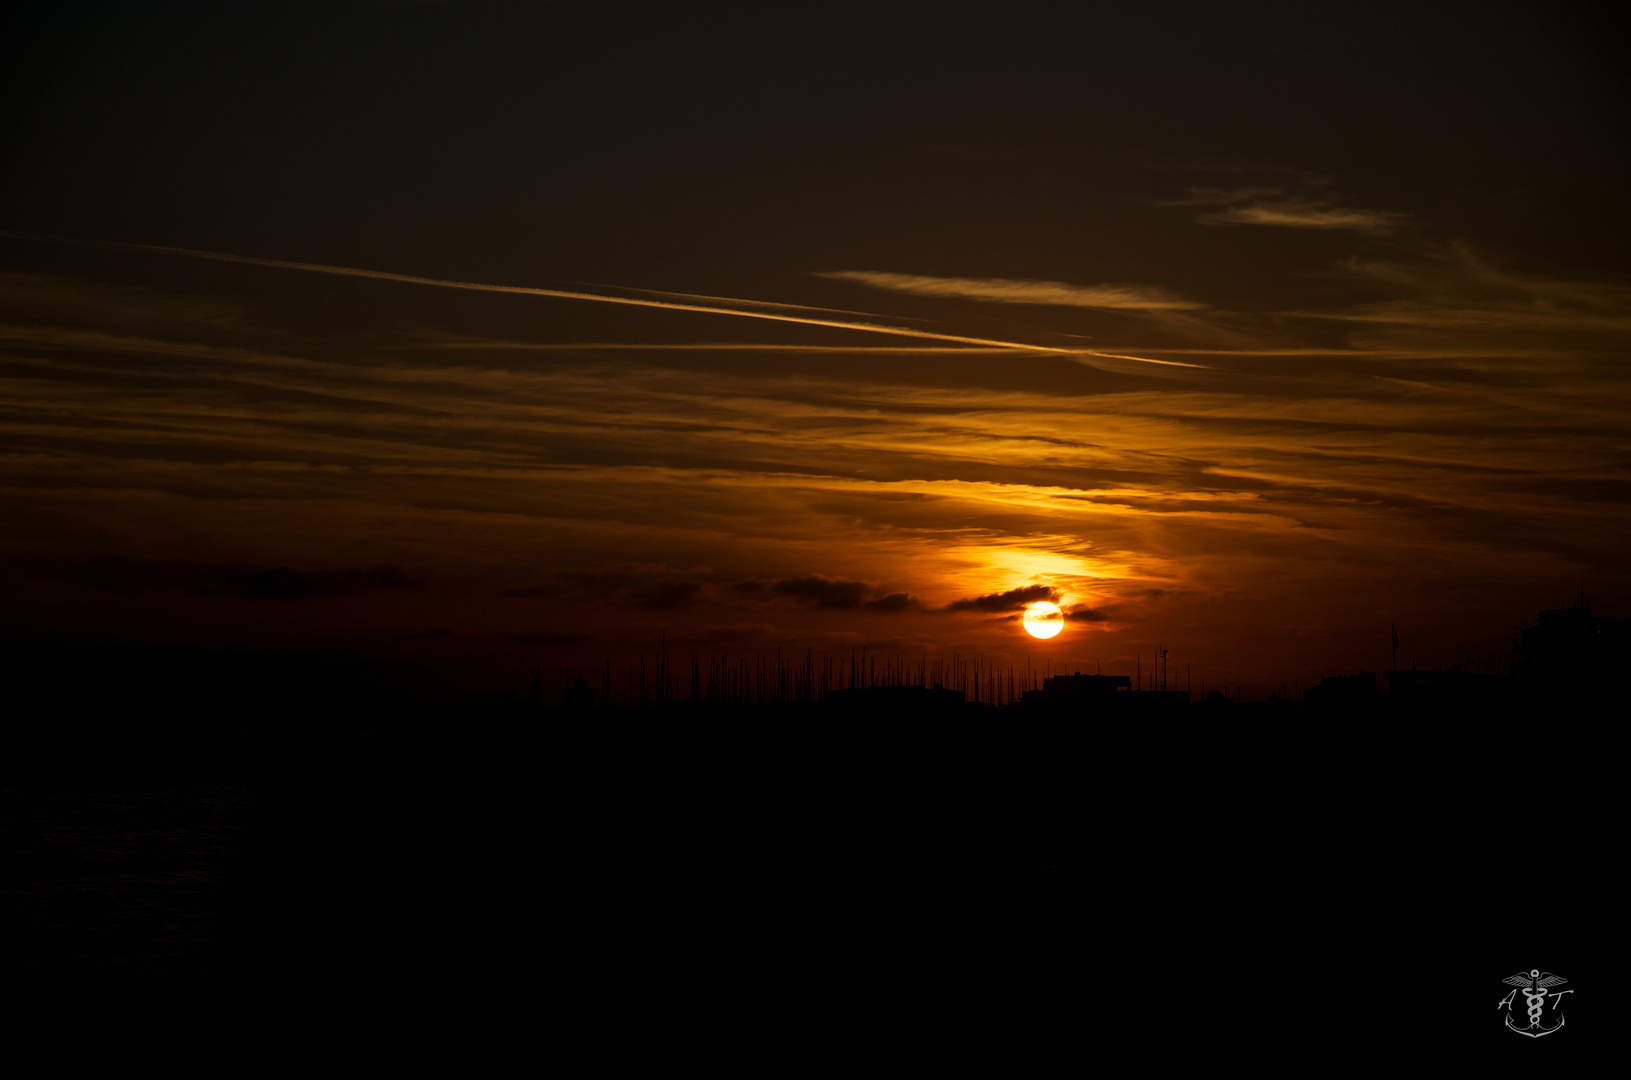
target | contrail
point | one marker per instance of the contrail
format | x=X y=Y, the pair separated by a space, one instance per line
x=525 y=290
x=736 y=300
x=707 y=346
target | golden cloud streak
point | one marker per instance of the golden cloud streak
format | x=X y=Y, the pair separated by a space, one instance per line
x=1021 y=291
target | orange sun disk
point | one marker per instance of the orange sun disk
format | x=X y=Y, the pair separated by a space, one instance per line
x=1044 y=619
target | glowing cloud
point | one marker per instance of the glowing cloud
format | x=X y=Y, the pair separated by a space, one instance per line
x=1270 y=206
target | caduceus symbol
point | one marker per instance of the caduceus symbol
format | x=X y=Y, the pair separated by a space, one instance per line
x=1534 y=986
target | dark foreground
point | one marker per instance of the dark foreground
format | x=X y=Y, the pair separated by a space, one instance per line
x=452 y=847
x=638 y=860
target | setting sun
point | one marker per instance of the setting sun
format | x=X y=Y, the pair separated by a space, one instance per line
x=1044 y=619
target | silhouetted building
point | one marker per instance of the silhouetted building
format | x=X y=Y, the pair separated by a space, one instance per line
x=1105 y=695
x=1078 y=689
x=1343 y=693
x=1448 y=691
x=1573 y=663
x=1569 y=652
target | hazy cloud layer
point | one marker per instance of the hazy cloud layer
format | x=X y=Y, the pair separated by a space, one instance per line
x=829 y=594
x=283 y=583
x=138 y=576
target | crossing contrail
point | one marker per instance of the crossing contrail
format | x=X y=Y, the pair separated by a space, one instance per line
x=599 y=298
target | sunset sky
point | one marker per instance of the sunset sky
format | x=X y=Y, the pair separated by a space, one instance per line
x=478 y=337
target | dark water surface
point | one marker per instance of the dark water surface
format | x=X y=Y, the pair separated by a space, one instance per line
x=350 y=858
x=123 y=865
x=263 y=854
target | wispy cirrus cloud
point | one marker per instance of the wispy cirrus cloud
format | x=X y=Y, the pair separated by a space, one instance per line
x=1453 y=300
x=1272 y=206
x=1298 y=214
x=1117 y=297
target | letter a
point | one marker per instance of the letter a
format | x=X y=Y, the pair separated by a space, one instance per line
x=1507 y=1000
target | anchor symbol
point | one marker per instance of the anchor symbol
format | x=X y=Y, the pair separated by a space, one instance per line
x=1534 y=1034
x=1534 y=986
